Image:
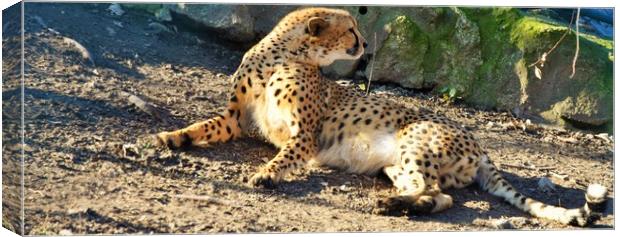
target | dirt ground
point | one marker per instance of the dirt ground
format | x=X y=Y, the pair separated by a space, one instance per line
x=83 y=177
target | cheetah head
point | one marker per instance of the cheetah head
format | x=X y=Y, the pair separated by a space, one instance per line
x=327 y=35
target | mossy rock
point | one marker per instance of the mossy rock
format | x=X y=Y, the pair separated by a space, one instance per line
x=514 y=41
x=401 y=55
x=484 y=56
x=421 y=48
x=497 y=81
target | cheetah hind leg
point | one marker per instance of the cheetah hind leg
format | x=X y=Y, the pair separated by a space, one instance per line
x=414 y=195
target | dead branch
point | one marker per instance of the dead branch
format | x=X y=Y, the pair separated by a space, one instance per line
x=571 y=140
x=560 y=176
x=205 y=198
x=544 y=57
x=577 y=48
x=528 y=167
x=83 y=51
x=567 y=178
x=153 y=110
x=372 y=65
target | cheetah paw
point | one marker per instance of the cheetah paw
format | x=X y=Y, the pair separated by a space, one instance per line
x=423 y=205
x=170 y=140
x=263 y=179
x=391 y=206
x=157 y=140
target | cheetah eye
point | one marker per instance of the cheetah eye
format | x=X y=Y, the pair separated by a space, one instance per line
x=352 y=32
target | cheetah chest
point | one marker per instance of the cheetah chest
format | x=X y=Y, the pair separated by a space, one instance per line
x=271 y=119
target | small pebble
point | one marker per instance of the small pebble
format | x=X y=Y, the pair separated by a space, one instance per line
x=503 y=224
x=116 y=9
x=545 y=184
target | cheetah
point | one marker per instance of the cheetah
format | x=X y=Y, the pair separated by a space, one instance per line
x=279 y=89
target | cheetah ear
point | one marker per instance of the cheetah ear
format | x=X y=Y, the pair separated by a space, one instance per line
x=315 y=25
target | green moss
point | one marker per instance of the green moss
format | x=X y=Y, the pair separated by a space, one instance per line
x=505 y=33
x=438 y=42
x=534 y=37
x=510 y=38
x=593 y=80
x=452 y=56
x=403 y=51
x=496 y=51
x=405 y=32
x=526 y=31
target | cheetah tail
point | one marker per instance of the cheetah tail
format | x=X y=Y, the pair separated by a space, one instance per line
x=490 y=180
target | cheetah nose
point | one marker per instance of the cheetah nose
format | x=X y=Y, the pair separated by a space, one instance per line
x=365 y=44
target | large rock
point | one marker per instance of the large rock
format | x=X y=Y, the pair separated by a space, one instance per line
x=484 y=55
x=341 y=68
x=421 y=48
x=239 y=23
x=233 y=22
x=507 y=79
x=401 y=56
x=267 y=16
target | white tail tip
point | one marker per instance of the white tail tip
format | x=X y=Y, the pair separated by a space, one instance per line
x=596 y=193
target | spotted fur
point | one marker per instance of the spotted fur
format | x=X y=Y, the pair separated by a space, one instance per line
x=278 y=88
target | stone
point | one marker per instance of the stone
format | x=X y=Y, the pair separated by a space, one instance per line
x=401 y=55
x=116 y=9
x=233 y=22
x=513 y=41
x=267 y=16
x=341 y=68
x=546 y=185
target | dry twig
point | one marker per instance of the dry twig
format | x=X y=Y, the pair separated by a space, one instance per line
x=372 y=65
x=532 y=167
x=148 y=108
x=543 y=58
x=577 y=47
x=560 y=176
x=83 y=51
x=206 y=198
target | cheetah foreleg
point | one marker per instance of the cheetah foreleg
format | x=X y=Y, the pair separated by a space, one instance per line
x=295 y=154
x=217 y=129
